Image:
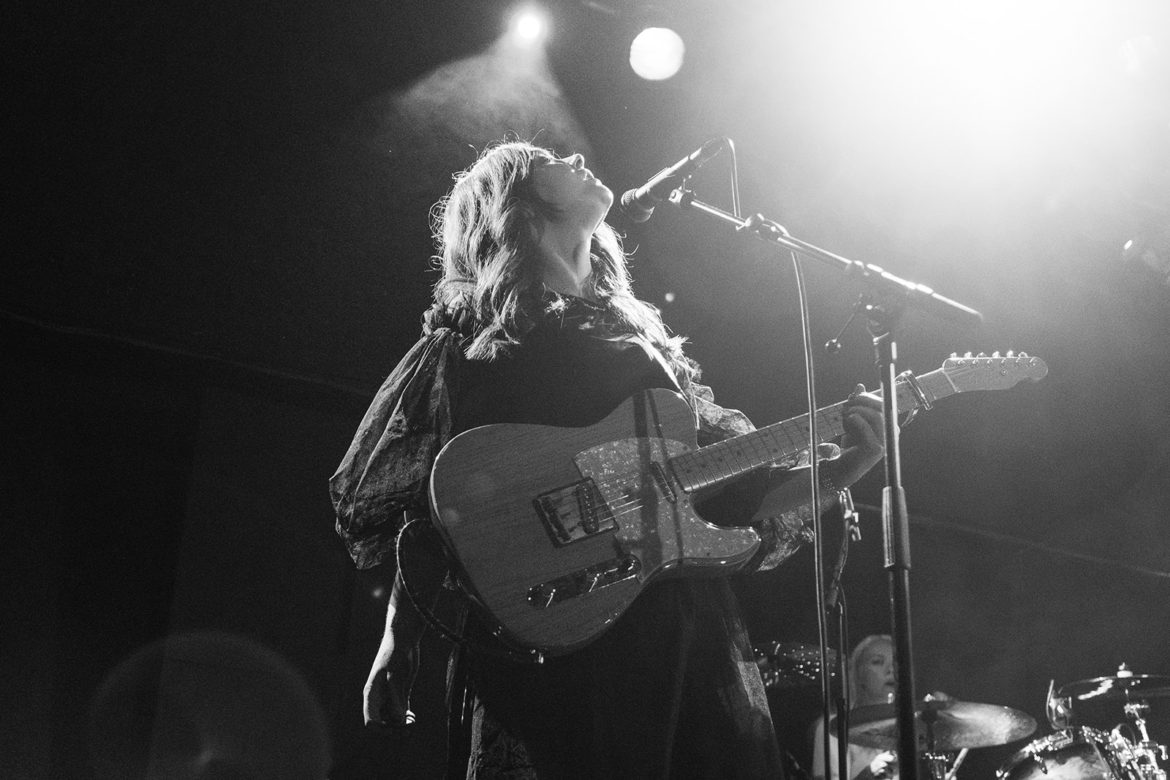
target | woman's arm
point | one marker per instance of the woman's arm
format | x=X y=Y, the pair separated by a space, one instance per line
x=386 y=696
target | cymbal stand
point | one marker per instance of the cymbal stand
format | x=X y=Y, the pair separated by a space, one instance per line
x=943 y=766
x=1147 y=753
x=938 y=764
x=954 y=770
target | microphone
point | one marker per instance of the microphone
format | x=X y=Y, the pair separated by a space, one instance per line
x=638 y=204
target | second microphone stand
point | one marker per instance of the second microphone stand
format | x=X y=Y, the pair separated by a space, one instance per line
x=836 y=605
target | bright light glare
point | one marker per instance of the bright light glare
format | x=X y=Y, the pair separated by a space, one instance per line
x=993 y=95
x=657 y=53
x=529 y=26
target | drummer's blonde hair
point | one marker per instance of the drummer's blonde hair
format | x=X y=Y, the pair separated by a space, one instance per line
x=855 y=660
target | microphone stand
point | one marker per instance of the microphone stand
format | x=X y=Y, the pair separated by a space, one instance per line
x=895 y=517
x=896 y=531
x=835 y=601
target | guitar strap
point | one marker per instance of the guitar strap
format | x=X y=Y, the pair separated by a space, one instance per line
x=656 y=355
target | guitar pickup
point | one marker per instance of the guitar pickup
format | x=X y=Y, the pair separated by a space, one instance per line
x=574 y=512
x=584 y=581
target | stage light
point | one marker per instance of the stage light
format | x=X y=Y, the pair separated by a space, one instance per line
x=529 y=26
x=1152 y=252
x=657 y=53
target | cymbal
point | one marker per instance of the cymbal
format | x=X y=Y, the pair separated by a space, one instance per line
x=943 y=725
x=785 y=665
x=1120 y=687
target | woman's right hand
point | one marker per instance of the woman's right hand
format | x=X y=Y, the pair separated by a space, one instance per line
x=386 y=696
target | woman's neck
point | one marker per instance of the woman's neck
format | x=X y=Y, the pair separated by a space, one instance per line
x=565 y=259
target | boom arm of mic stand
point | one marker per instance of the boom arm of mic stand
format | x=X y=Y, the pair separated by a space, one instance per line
x=895 y=516
x=911 y=294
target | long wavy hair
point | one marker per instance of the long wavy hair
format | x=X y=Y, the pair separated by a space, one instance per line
x=484 y=231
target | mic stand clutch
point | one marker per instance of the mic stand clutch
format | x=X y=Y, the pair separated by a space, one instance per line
x=894 y=515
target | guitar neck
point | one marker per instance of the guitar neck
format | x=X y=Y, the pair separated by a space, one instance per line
x=783 y=442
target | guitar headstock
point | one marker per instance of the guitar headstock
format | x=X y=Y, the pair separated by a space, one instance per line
x=997 y=372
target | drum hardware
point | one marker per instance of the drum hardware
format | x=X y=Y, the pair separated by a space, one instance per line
x=1058 y=708
x=1146 y=752
x=1134 y=690
x=786 y=665
x=958 y=763
x=1072 y=754
x=1082 y=753
x=944 y=766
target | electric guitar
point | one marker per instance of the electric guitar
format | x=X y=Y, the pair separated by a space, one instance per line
x=555 y=531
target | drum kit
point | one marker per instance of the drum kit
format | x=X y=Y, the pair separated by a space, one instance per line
x=948 y=728
x=1072 y=752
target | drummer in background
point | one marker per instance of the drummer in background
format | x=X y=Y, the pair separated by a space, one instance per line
x=871 y=681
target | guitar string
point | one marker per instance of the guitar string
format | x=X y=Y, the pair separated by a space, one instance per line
x=710 y=476
x=621 y=510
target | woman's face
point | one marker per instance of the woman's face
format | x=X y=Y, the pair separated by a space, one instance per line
x=875 y=674
x=571 y=189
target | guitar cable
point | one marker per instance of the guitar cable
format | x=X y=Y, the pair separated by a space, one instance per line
x=456 y=636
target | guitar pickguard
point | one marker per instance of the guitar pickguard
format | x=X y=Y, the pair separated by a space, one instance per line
x=657 y=523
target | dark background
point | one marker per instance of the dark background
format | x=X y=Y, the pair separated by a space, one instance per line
x=218 y=246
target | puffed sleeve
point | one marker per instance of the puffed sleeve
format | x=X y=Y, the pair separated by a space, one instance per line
x=386 y=469
x=781 y=536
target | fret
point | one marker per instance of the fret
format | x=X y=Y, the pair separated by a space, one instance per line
x=791 y=441
x=759 y=448
x=781 y=441
x=721 y=464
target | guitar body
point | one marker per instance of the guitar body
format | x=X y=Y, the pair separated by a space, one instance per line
x=557 y=530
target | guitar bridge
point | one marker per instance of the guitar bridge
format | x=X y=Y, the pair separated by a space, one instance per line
x=574 y=512
x=584 y=581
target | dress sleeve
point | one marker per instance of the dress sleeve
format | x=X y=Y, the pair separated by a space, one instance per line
x=781 y=536
x=384 y=474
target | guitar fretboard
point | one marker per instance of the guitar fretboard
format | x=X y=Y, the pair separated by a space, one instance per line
x=775 y=443
x=784 y=441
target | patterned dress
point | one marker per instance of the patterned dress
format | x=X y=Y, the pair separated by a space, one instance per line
x=672 y=688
